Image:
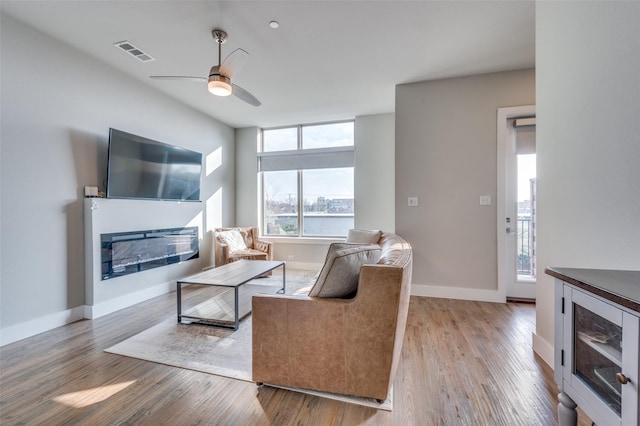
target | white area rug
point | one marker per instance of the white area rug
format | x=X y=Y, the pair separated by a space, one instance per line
x=212 y=350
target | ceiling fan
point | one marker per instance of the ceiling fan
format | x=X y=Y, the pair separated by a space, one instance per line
x=219 y=80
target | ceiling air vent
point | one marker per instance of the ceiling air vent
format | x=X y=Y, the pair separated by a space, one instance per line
x=134 y=51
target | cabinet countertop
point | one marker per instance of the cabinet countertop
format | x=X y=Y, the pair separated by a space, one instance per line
x=621 y=287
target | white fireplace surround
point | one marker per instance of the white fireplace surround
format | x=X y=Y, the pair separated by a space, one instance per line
x=103 y=216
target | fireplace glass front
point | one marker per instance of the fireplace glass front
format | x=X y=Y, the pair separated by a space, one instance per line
x=125 y=253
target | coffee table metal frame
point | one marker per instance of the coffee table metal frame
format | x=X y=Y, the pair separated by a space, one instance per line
x=232 y=275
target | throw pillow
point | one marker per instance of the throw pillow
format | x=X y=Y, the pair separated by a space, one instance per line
x=341 y=270
x=232 y=238
x=362 y=236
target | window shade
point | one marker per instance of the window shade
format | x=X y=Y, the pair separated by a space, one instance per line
x=306 y=159
x=525 y=135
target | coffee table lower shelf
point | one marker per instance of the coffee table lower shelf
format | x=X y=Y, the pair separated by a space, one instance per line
x=235 y=301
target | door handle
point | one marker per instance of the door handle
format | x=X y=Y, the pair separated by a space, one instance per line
x=622 y=379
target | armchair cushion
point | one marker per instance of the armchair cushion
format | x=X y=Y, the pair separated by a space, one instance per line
x=233 y=238
x=340 y=272
x=362 y=236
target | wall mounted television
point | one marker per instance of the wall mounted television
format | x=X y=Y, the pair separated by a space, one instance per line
x=142 y=168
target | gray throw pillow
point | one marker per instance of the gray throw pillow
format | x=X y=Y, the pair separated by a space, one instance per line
x=363 y=236
x=341 y=270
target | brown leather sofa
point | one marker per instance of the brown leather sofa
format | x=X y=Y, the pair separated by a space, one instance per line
x=346 y=346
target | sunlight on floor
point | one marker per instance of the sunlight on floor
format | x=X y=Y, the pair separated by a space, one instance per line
x=87 y=397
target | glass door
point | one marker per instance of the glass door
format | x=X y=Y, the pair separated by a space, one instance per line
x=516 y=202
x=598 y=355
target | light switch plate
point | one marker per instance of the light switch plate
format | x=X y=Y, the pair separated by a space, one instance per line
x=485 y=200
x=412 y=201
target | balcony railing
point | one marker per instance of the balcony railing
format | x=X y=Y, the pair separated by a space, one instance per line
x=526 y=247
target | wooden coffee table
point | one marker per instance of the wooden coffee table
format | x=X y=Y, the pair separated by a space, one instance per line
x=232 y=275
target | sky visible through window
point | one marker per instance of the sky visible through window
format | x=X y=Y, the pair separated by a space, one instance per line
x=327 y=135
x=313 y=136
x=526 y=172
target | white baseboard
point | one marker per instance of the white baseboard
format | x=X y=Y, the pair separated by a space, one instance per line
x=457 y=293
x=113 y=305
x=543 y=348
x=40 y=325
x=49 y=322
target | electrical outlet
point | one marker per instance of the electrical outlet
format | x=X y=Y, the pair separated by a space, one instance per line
x=291 y=257
x=412 y=201
x=90 y=191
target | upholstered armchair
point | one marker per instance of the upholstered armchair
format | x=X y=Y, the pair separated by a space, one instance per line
x=240 y=243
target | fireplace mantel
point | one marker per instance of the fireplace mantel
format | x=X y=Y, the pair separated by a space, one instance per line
x=104 y=216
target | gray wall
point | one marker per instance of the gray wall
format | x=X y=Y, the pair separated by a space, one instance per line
x=446 y=156
x=588 y=90
x=374 y=187
x=57 y=107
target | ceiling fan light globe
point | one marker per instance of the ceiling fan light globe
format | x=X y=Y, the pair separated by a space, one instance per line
x=219 y=85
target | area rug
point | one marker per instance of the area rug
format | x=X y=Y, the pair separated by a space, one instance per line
x=208 y=349
x=212 y=350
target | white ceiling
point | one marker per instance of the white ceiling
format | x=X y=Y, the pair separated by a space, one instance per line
x=329 y=60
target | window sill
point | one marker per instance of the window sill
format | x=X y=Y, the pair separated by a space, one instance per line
x=320 y=241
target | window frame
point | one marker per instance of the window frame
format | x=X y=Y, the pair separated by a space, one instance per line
x=299 y=152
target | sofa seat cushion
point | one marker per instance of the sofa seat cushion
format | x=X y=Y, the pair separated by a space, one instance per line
x=232 y=238
x=249 y=254
x=341 y=270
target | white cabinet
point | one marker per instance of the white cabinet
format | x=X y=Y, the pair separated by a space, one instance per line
x=596 y=349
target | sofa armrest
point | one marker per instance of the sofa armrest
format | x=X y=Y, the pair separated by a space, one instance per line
x=264 y=246
x=221 y=253
x=292 y=338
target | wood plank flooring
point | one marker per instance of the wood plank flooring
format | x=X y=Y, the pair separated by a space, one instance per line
x=463 y=363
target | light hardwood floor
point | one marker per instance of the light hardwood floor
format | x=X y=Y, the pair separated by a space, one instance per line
x=463 y=363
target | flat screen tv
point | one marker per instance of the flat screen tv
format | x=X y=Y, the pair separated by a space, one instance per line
x=142 y=168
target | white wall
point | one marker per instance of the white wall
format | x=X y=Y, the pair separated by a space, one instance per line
x=374 y=187
x=374 y=174
x=588 y=127
x=446 y=156
x=57 y=107
x=246 y=177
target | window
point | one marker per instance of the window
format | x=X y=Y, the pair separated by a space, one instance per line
x=308 y=169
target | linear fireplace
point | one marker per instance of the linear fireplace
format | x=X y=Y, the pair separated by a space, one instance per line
x=125 y=253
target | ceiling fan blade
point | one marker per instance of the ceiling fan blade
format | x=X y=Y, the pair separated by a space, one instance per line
x=245 y=96
x=179 y=77
x=233 y=62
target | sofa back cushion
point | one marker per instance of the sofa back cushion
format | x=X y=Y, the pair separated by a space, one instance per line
x=363 y=236
x=341 y=270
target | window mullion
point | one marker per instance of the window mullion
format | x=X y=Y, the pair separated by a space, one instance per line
x=300 y=205
x=300 y=202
